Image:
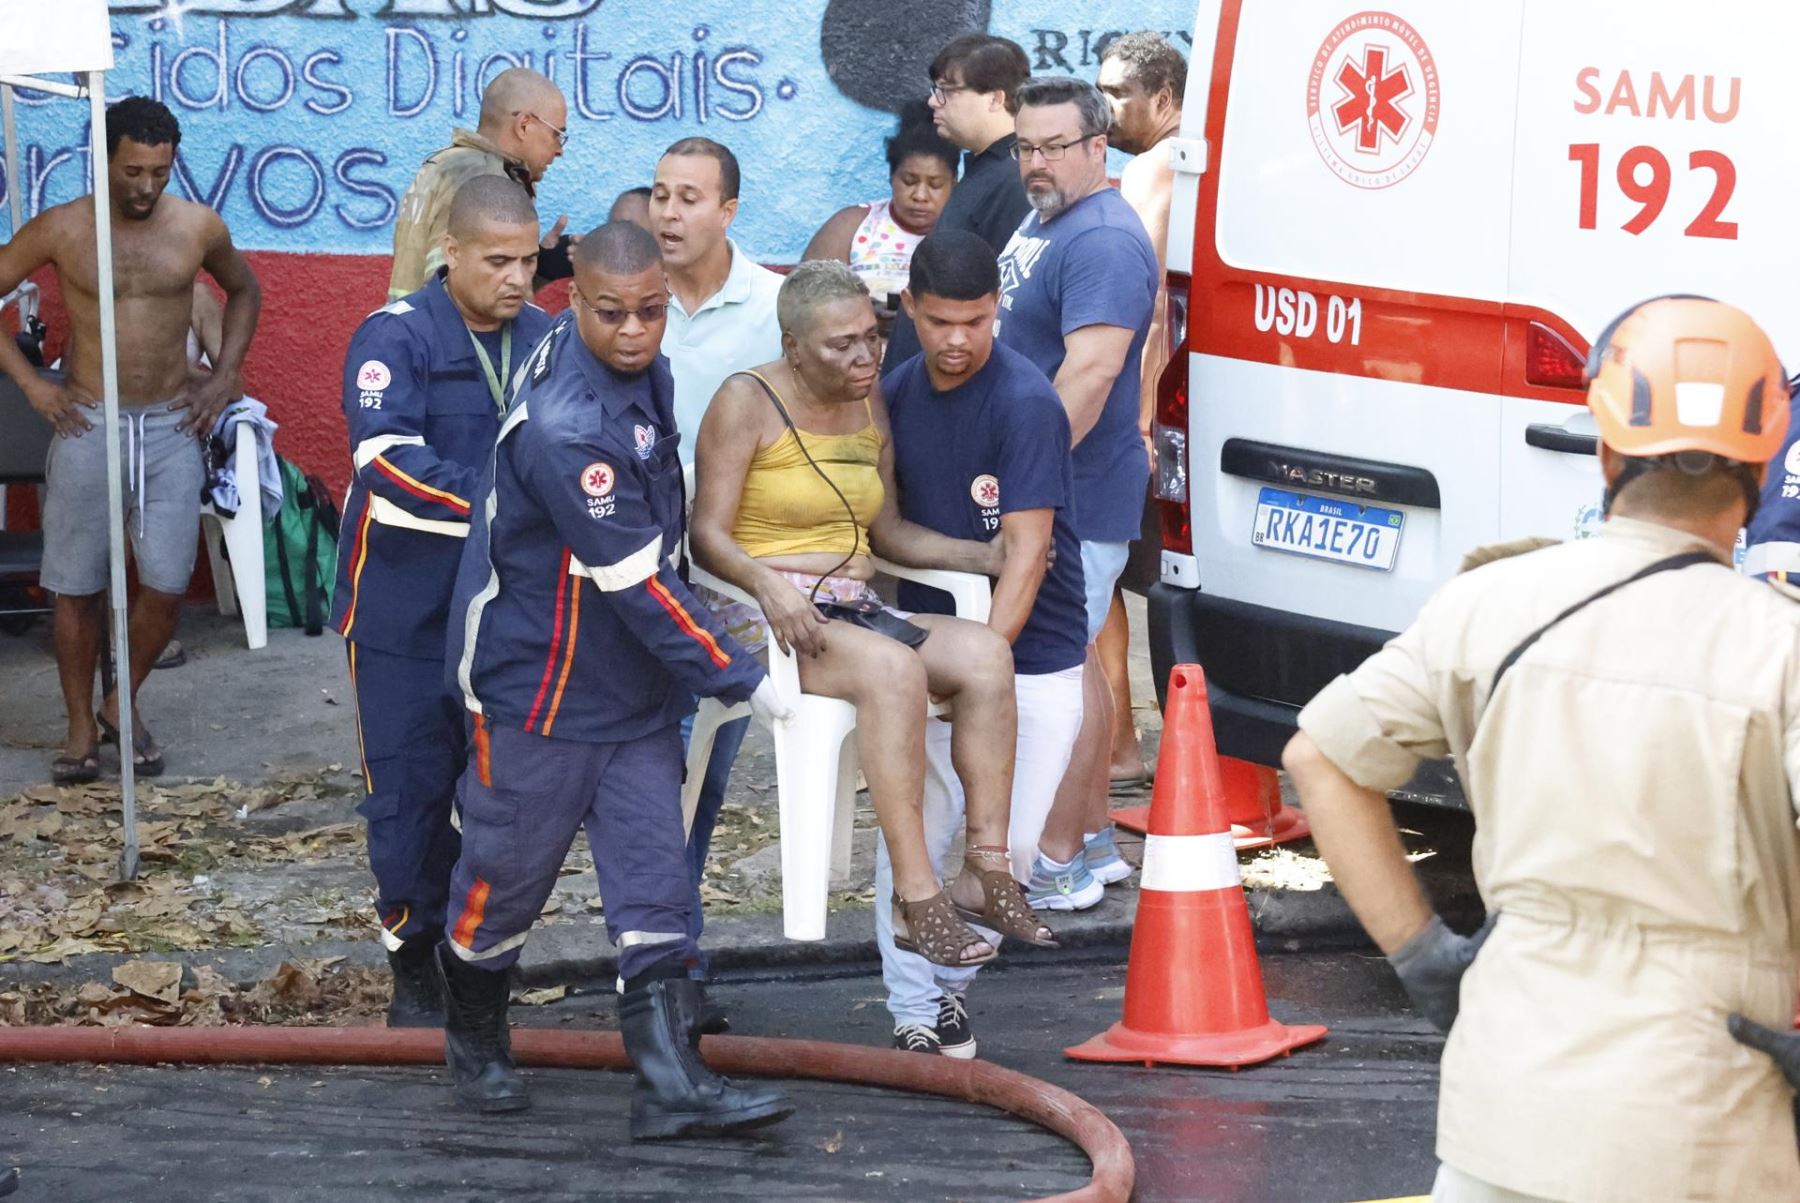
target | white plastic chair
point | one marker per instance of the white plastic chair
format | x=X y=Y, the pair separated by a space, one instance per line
x=240 y=584
x=815 y=758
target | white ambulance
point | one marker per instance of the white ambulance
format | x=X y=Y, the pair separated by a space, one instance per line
x=1396 y=230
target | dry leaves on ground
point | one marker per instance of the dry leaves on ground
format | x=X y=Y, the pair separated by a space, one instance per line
x=320 y=992
x=59 y=852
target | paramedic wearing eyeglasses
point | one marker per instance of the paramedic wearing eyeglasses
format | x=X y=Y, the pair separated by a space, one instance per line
x=424 y=390
x=579 y=650
x=1625 y=714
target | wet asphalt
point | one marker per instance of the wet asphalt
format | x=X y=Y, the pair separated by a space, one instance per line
x=1346 y=1120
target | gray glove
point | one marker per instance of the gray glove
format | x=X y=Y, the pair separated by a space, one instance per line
x=1431 y=966
x=1783 y=1048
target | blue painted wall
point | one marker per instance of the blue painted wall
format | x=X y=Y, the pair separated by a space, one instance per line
x=304 y=120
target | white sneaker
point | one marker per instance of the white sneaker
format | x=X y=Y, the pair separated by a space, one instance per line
x=1103 y=859
x=1071 y=888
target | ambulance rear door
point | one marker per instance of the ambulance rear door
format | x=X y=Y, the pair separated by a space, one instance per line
x=1655 y=154
x=1351 y=265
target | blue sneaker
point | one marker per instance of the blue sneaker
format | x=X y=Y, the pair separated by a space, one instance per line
x=1103 y=859
x=1069 y=888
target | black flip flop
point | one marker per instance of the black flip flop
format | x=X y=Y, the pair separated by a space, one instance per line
x=146 y=766
x=75 y=770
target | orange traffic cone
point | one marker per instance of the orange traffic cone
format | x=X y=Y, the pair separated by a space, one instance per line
x=1193 y=990
x=1252 y=804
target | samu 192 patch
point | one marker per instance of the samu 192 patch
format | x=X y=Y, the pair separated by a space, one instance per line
x=598 y=478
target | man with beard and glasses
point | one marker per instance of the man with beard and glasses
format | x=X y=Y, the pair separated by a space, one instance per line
x=160 y=244
x=425 y=384
x=1077 y=287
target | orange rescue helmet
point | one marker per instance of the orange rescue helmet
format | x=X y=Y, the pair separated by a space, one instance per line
x=1685 y=373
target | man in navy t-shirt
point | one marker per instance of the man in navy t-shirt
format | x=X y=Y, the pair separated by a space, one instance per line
x=1078 y=286
x=981 y=451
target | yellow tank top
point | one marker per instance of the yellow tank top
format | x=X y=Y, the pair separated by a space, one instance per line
x=787 y=509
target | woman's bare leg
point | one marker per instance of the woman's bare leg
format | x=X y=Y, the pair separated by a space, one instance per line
x=886 y=683
x=970 y=666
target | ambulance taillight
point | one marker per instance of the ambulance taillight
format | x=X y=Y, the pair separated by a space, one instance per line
x=1552 y=361
x=1169 y=433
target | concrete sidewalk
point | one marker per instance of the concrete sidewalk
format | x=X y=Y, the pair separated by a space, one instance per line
x=254 y=853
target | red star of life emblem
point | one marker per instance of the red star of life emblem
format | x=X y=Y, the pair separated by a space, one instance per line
x=1371 y=93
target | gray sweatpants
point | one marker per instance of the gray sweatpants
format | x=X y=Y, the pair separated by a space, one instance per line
x=164 y=474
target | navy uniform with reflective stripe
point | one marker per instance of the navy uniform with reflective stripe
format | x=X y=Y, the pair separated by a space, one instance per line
x=422 y=421
x=579 y=649
x=1773 y=535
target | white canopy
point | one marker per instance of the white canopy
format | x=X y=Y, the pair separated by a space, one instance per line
x=31 y=43
x=77 y=40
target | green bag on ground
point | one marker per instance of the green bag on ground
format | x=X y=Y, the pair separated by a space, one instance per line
x=300 y=552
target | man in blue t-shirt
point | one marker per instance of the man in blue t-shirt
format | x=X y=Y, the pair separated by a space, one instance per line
x=981 y=451
x=1078 y=286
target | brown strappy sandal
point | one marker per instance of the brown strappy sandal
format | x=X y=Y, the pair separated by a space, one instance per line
x=935 y=931
x=1005 y=909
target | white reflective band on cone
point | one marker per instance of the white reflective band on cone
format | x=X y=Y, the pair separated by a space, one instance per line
x=1187 y=863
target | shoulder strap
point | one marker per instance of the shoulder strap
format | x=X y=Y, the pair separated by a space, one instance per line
x=1685 y=560
x=849 y=510
x=315 y=572
x=774 y=398
x=295 y=615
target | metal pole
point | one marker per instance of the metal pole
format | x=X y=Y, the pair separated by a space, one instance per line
x=42 y=85
x=115 y=490
x=14 y=194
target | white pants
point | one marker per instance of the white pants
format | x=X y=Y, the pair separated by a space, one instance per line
x=1049 y=717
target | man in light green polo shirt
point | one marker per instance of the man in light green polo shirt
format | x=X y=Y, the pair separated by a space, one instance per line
x=721 y=320
x=721 y=304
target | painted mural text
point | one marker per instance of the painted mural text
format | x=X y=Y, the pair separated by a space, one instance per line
x=291 y=182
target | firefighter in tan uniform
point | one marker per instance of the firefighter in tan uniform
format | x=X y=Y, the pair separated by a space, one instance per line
x=1625 y=715
x=521 y=132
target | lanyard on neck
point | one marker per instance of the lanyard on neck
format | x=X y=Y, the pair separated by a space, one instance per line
x=495 y=381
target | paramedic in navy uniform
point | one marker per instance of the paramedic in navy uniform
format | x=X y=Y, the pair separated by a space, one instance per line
x=423 y=397
x=579 y=650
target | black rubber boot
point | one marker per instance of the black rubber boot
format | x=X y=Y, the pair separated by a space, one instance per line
x=418 y=1000
x=477 y=1042
x=676 y=1095
x=9 y=1180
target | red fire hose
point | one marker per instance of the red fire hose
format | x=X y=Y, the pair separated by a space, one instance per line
x=1051 y=1107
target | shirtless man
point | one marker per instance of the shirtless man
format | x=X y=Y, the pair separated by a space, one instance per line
x=160 y=244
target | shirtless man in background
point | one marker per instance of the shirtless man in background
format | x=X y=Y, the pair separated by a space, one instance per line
x=160 y=244
x=1143 y=77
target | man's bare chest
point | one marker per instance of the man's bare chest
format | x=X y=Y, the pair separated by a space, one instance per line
x=147 y=263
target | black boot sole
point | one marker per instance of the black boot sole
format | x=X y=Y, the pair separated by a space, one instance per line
x=520 y=1102
x=676 y=1125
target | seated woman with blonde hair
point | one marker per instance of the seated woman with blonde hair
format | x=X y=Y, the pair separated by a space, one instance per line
x=794 y=487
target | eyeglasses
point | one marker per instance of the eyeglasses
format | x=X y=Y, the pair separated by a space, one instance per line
x=942 y=92
x=612 y=315
x=558 y=132
x=1052 y=151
